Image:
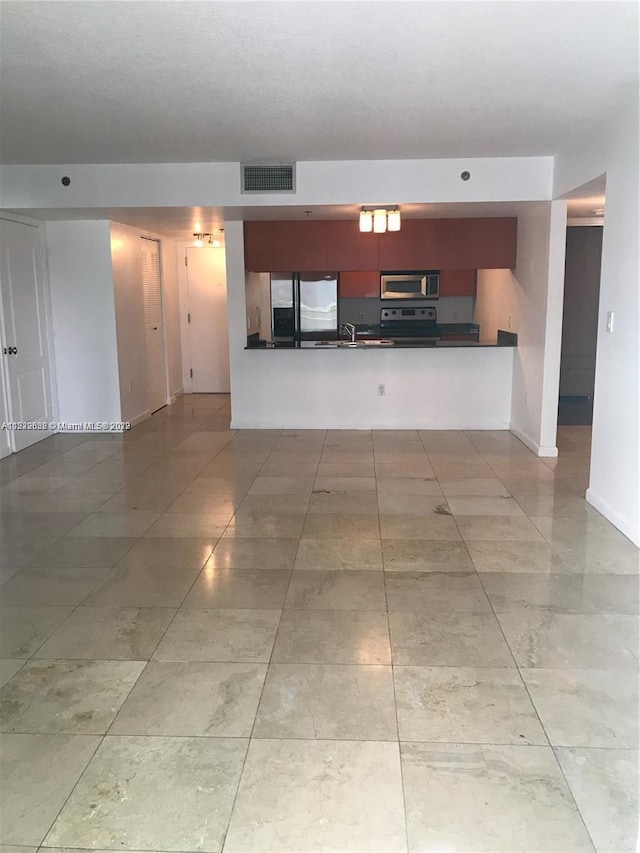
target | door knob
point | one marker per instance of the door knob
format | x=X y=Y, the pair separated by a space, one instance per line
x=10 y=350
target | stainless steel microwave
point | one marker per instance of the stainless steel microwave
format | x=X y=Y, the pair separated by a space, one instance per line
x=410 y=285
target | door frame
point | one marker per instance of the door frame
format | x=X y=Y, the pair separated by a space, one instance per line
x=165 y=352
x=49 y=331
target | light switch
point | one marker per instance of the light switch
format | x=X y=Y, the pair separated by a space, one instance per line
x=610 y=321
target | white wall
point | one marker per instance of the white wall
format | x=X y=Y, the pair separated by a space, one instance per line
x=614 y=487
x=431 y=389
x=317 y=182
x=84 y=329
x=129 y=307
x=528 y=301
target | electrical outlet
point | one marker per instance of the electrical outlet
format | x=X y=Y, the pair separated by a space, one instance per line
x=362 y=315
x=382 y=390
x=610 y=317
x=510 y=323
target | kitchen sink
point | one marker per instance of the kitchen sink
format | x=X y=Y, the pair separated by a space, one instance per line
x=376 y=342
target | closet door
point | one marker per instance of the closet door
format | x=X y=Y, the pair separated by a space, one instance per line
x=153 y=325
x=24 y=334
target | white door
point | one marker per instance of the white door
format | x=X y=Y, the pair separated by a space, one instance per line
x=25 y=332
x=153 y=325
x=208 y=327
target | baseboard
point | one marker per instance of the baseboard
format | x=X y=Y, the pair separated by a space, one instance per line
x=538 y=449
x=139 y=418
x=239 y=423
x=611 y=515
x=171 y=400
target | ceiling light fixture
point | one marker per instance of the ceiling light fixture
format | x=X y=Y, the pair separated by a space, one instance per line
x=380 y=219
x=599 y=211
x=210 y=237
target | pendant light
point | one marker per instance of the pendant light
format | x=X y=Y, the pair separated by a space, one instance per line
x=366 y=220
x=380 y=219
x=393 y=220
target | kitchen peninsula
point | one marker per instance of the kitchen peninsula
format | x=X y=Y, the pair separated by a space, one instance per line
x=397 y=386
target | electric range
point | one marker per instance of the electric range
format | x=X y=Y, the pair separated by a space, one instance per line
x=410 y=324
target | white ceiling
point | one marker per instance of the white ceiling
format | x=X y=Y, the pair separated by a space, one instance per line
x=94 y=82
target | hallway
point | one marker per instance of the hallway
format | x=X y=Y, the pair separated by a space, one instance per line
x=307 y=640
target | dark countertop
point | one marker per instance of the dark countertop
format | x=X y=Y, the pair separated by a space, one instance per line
x=398 y=344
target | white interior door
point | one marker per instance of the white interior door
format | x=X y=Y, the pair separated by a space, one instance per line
x=25 y=332
x=208 y=327
x=153 y=325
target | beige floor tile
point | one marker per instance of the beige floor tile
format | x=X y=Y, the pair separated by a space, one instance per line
x=84 y=552
x=605 y=784
x=232 y=635
x=354 y=503
x=409 y=505
x=506 y=556
x=271 y=504
x=511 y=593
x=332 y=636
x=465 y=705
x=32 y=795
x=331 y=526
x=328 y=554
x=8 y=669
x=336 y=590
x=574 y=640
x=126 y=502
x=216 y=504
x=586 y=707
x=424 y=555
x=156 y=793
x=500 y=528
x=66 y=697
x=262 y=525
x=436 y=592
x=408 y=486
x=142 y=587
x=327 y=701
x=281 y=486
x=24 y=629
x=463 y=470
x=108 y=633
x=188 y=526
x=484 y=505
x=170 y=553
x=344 y=484
x=480 y=797
x=344 y=795
x=54 y=587
x=469 y=639
x=409 y=469
x=257 y=553
x=239 y=588
x=346 y=469
x=294 y=469
x=126 y=524
x=22 y=551
x=434 y=526
x=193 y=698
x=462 y=486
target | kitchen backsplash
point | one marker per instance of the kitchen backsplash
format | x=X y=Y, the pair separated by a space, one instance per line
x=451 y=309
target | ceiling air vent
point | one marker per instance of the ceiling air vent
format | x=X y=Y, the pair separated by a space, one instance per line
x=269 y=178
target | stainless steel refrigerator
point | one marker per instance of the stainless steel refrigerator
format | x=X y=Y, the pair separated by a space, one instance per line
x=304 y=307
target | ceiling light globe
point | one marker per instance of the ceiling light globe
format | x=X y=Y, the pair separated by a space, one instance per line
x=366 y=220
x=379 y=221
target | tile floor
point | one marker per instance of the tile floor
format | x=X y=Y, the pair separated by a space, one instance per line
x=313 y=641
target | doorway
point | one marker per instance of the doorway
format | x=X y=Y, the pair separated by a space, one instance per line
x=26 y=385
x=579 y=324
x=208 y=331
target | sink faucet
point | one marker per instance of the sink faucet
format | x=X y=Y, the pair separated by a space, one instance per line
x=350 y=329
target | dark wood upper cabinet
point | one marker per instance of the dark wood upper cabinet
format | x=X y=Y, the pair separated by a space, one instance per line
x=404 y=249
x=348 y=249
x=360 y=283
x=259 y=246
x=457 y=282
x=421 y=244
x=301 y=246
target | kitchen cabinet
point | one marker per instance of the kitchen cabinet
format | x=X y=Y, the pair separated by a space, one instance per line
x=421 y=244
x=301 y=246
x=348 y=249
x=404 y=249
x=259 y=246
x=360 y=284
x=457 y=282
